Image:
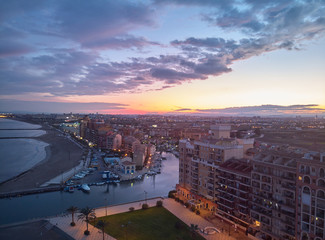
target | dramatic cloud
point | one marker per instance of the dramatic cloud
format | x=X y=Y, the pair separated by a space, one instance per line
x=66 y=47
x=263 y=110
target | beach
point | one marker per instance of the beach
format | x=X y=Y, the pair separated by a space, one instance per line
x=61 y=155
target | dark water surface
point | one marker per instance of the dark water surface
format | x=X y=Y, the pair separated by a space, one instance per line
x=50 y=204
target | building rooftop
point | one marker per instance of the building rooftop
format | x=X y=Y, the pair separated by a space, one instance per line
x=128 y=163
x=237 y=165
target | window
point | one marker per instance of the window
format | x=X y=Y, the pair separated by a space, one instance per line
x=321 y=183
x=302 y=169
x=321 y=172
x=306 y=190
x=321 y=194
x=306 y=179
x=304 y=236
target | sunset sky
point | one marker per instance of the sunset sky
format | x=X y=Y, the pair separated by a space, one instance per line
x=227 y=57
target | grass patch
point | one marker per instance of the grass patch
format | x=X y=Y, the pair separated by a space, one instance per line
x=153 y=223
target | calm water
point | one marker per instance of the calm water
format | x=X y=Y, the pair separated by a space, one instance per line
x=19 y=154
x=6 y=123
x=21 y=133
x=49 y=204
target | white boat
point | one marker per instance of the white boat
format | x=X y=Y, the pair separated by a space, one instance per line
x=85 y=188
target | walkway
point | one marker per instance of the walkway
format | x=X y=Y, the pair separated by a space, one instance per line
x=77 y=232
x=187 y=216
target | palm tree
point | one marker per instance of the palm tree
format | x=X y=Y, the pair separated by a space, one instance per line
x=86 y=215
x=101 y=224
x=194 y=228
x=72 y=210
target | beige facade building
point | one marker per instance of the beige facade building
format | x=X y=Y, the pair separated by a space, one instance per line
x=198 y=163
x=220 y=131
x=139 y=154
x=274 y=196
x=234 y=180
x=310 y=216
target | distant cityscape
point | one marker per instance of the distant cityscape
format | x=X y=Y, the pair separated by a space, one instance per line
x=265 y=176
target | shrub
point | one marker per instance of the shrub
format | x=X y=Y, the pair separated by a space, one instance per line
x=187 y=205
x=72 y=224
x=193 y=209
x=171 y=194
x=181 y=201
x=159 y=203
x=131 y=209
x=86 y=232
x=145 y=206
x=178 y=225
x=176 y=199
x=198 y=212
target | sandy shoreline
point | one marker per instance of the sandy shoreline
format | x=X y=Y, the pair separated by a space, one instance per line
x=61 y=156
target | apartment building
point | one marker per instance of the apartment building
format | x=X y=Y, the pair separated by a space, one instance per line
x=234 y=187
x=198 y=163
x=273 y=203
x=310 y=215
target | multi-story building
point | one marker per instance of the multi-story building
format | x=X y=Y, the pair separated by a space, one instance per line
x=139 y=154
x=151 y=150
x=114 y=141
x=274 y=194
x=198 y=163
x=129 y=143
x=310 y=216
x=234 y=180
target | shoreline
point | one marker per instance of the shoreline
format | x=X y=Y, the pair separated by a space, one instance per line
x=61 y=155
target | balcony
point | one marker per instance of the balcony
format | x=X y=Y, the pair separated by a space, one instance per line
x=289 y=186
x=263 y=211
x=320 y=204
x=255 y=176
x=211 y=176
x=291 y=178
x=266 y=187
x=226 y=198
x=195 y=176
x=195 y=164
x=266 y=179
x=289 y=194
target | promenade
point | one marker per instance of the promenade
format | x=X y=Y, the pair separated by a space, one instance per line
x=187 y=216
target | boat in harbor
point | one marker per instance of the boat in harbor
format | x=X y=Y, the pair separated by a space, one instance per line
x=71 y=189
x=85 y=188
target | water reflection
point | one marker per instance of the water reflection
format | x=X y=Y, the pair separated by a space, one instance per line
x=49 y=204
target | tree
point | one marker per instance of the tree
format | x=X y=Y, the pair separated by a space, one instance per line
x=101 y=224
x=72 y=210
x=145 y=206
x=86 y=215
x=194 y=228
x=159 y=203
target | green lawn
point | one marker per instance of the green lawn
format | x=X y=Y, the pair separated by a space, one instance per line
x=153 y=223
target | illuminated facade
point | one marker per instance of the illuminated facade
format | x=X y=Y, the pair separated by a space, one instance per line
x=310 y=218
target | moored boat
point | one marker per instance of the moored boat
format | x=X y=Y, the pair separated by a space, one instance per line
x=85 y=188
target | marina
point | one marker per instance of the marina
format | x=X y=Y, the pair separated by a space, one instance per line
x=43 y=204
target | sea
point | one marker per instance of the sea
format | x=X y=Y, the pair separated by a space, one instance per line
x=19 y=152
x=41 y=205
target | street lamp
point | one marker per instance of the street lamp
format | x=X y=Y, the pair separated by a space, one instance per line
x=126 y=230
x=145 y=196
x=106 y=203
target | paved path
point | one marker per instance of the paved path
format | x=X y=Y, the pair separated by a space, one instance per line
x=187 y=216
x=77 y=232
x=190 y=217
